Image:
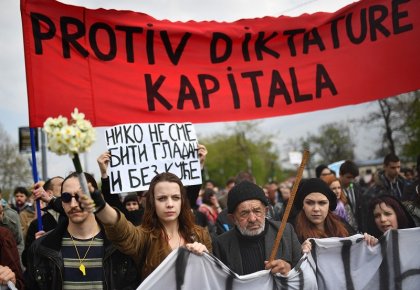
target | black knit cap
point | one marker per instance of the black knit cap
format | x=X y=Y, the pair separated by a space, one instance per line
x=319 y=169
x=244 y=190
x=315 y=185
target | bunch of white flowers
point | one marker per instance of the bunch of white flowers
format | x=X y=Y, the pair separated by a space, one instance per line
x=71 y=137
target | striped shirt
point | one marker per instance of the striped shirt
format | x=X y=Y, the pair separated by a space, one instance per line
x=73 y=278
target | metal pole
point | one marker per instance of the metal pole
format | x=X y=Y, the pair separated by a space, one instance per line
x=44 y=155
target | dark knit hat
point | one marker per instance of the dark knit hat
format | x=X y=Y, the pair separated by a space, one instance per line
x=319 y=169
x=244 y=190
x=315 y=185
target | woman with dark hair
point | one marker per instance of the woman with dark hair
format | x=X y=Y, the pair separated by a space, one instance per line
x=168 y=223
x=387 y=213
x=316 y=218
x=131 y=202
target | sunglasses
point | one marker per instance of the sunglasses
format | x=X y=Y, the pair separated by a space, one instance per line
x=67 y=196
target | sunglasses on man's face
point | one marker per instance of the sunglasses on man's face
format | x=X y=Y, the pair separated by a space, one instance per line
x=67 y=196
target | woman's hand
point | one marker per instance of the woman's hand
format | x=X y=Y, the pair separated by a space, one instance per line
x=370 y=240
x=306 y=246
x=197 y=248
x=6 y=274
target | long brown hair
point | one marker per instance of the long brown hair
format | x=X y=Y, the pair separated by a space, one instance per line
x=305 y=229
x=151 y=221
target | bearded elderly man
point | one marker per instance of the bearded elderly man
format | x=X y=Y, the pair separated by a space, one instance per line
x=246 y=248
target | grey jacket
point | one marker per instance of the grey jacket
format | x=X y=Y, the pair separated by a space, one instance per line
x=226 y=247
x=11 y=221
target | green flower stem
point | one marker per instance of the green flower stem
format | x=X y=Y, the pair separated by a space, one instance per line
x=80 y=173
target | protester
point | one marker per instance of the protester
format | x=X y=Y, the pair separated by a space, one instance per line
x=210 y=207
x=322 y=171
x=10 y=269
x=50 y=190
x=343 y=209
x=131 y=202
x=280 y=208
x=316 y=219
x=347 y=174
x=210 y=184
x=10 y=219
x=387 y=213
x=413 y=190
x=224 y=192
x=77 y=253
x=410 y=191
x=24 y=208
x=223 y=222
x=389 y=181
x=274 y=199
x=247 y=247
x=168 y=224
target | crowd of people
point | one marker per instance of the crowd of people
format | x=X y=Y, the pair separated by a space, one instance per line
x=101 y=241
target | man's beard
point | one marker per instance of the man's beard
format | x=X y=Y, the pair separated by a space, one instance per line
x=245 y=232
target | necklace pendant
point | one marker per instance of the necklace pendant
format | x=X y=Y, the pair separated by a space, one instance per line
x=82 y=269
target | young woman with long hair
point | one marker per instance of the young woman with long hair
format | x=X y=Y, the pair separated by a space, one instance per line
x=316 y=218
x=387 y=213
x=343 y=209
x=168 y=223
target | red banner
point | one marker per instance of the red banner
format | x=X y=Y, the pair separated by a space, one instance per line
x=124 y=67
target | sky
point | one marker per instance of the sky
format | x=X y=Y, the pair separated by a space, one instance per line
x=13 y=97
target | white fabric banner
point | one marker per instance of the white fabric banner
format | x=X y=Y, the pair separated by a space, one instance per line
x=335 y=263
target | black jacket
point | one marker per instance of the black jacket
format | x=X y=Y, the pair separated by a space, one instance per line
x=45 y=264
x=226 y=246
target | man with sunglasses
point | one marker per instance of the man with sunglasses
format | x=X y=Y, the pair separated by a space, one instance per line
x=247 y=247
x=77 y=254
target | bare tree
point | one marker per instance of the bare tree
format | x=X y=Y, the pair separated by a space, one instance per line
x=14 y=168
x=333 y=142
x=394 y=117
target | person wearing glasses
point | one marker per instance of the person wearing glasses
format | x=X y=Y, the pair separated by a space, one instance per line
x=246 y=248
x=77 y=254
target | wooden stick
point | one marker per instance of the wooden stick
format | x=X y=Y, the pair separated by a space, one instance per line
x=289 y=204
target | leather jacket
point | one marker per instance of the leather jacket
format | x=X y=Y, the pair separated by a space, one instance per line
x=46 y=266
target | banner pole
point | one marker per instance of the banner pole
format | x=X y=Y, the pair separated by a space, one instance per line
x=35 y=176
x=276 y=245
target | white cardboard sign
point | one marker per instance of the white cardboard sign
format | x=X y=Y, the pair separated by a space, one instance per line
x=140 y=151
